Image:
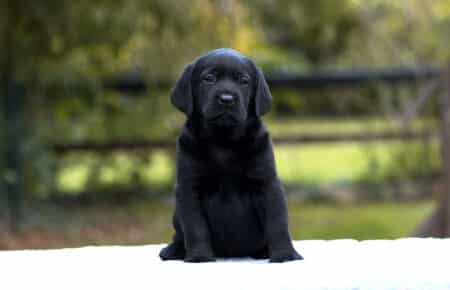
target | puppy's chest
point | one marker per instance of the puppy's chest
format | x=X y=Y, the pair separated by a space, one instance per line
x=225 y=159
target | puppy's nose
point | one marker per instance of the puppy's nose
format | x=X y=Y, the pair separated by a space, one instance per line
x=226 y=99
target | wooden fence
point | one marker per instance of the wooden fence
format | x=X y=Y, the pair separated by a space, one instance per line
x=135 y=84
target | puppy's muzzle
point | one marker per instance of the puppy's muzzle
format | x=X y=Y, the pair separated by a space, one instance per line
x=227 y=100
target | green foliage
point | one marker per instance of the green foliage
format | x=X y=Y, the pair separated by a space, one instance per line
x=63 y=51
x=328 y=102
x=318 y=30
x=401 y=32
x=141 y=171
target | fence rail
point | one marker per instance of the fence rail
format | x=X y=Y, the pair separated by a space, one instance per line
x=63 y=148
x=135 y=83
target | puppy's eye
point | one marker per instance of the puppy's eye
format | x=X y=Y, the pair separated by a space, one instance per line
x=244 y=80
x=209 y=78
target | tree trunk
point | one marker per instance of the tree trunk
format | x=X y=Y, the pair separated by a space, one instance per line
x=438 y=224
x=12 y=103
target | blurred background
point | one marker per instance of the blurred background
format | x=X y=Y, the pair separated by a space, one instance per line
x=360 y=119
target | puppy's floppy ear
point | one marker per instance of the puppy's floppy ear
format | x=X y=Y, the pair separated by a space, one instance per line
x=263 y=97
x=181 y=95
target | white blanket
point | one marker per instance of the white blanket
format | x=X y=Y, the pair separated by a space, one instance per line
x=340 y=264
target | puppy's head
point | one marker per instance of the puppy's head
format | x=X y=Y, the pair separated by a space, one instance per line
x=222 y=87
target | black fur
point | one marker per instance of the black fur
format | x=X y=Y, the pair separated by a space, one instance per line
x=229 y=200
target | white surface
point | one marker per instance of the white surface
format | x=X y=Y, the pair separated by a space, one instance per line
x=341 y=264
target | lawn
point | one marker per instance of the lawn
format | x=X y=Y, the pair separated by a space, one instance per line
x=361 y=222
x=149 y=222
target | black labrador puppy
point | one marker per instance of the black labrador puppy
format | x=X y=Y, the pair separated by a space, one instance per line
x=229 y=200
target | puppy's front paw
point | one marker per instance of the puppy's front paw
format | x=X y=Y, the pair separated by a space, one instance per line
x=285 y=256
x=172 y=252
x=199 y=259
x=199 y=255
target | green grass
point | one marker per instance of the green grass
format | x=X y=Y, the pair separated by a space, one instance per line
x=328 y=163
x=328 y=221
x=146 y=222
x=320 y=163
x=74 y=175
x=149 y=222
x=296 y=164
x=361 y=222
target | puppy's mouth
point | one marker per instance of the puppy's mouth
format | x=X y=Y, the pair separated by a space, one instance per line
x=225 y=119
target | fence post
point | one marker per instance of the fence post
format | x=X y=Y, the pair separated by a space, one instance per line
x=445 y=151
x=13 y=177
